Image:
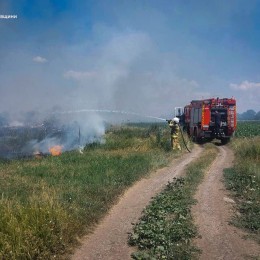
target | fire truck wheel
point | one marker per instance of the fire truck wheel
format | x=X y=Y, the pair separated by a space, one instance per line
x=188 y=130
x=225 y=140
x=194 y=137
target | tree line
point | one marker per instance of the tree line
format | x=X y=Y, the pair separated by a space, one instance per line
x=249 y=115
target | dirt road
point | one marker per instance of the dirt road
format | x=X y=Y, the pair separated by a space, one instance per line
x=219 y=240
x=109 y=240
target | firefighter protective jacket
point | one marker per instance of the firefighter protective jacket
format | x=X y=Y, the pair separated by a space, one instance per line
x=175 y=129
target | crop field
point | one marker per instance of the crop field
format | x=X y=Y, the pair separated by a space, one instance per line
x=248 y=129
x=46 y=203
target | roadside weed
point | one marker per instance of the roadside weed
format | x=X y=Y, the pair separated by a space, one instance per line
x=166 y=228
x=244 y=181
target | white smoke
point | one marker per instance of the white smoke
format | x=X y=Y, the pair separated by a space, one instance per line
x=42 y=146
x=68 y=134
x=125 y=72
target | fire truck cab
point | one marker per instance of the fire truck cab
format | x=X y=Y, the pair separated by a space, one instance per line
x=200 y=119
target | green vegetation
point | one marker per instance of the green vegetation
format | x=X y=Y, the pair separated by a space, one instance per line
x=244 y=180
x=166 y=229
x=248 y=129
x=45 y=204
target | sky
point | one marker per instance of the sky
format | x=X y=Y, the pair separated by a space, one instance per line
x=141 y=56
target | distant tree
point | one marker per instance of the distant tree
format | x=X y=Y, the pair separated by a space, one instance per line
x=248 y=115
x=239 y=116
x=257 y=116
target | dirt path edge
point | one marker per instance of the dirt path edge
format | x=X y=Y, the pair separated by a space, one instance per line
x=212 y=214
x=109 y=239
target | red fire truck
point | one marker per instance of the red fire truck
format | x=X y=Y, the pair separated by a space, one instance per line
x=200 y=119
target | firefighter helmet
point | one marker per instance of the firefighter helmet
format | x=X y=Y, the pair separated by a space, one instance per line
x=176 y=120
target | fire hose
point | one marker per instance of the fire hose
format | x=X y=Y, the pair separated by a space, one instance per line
x=184 y=139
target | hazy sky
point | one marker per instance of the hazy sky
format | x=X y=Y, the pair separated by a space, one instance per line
x=143 y=56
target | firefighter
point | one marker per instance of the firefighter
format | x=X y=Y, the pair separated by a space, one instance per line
x=175 y=129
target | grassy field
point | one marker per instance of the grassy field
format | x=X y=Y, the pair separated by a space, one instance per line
x=47 y=203
x=166 y=229
x=244 y=178
x=248 y=129
x=244 y=182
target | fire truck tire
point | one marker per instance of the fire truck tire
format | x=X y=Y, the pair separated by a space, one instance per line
x=188 y=130
x=225 y=140
x=194 y=137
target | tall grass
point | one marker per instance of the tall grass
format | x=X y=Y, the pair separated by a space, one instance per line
x=37 y=229
x=46 y=204
x=244 y=180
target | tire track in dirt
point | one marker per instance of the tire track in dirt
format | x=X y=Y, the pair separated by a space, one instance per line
x=219 y=240
x=109 y=239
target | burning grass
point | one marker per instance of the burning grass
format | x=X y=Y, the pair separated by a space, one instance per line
x=55 y=150
x=47 y=203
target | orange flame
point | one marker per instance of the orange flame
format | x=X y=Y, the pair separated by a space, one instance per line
x=55 y=150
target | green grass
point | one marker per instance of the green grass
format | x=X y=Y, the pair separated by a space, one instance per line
x=244 y=181
x=166 y=229
x=45 y=204
x=248 y=129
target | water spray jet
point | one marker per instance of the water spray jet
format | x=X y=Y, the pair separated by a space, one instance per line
x=109 y=111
